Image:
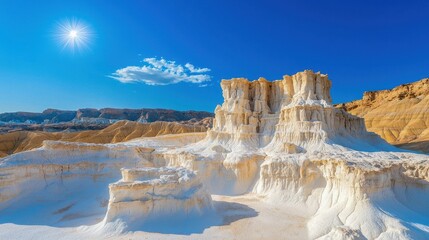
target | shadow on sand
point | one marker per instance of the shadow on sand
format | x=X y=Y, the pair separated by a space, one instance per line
x=225 y=213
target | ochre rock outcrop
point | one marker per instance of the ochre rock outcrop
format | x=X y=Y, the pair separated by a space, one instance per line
x=118 y=132
x=399 y=115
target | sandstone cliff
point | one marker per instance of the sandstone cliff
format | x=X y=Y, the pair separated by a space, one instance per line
x=399 y=115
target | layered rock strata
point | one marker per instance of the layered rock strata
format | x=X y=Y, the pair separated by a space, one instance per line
x=259 y=118
x=65 y=177
x=399 y=115
x=147 y=194
x=296 y=110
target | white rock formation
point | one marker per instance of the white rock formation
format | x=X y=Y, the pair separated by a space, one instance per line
x=66 y=177
x=66 y=184
x=288 y=115
x=261 y=118
x=147 y=195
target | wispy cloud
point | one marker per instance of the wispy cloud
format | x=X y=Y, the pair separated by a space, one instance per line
x=162 y=72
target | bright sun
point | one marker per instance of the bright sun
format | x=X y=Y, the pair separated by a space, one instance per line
x=73 y=34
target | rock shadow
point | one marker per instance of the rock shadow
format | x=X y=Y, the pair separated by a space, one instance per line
x=71 y=203
x=225 y=213
x=232 y=212
x=420 y=147
x=372 y=143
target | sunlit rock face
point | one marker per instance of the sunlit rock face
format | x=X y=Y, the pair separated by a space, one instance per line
x=63 y=184
x=147 y=195
x=259 y=118
x=399 y=115
x=286 y=115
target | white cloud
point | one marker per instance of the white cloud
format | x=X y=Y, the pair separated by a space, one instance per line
x=193 y=69
x=162 y=72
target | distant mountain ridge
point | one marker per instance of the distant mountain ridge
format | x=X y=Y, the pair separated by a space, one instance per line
x=86 y=114
x=121 y=131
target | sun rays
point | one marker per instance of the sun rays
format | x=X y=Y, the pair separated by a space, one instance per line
x=73 y=34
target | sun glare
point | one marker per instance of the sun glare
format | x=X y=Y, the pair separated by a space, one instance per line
x=73 y=34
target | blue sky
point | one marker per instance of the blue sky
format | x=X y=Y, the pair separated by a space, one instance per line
x=361 y=45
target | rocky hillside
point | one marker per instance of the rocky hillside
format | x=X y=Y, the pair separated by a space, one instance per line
x=19 y=141
x=399 y=115
x=90 y=114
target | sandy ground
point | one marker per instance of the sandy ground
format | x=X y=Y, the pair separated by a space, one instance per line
x=243 y=217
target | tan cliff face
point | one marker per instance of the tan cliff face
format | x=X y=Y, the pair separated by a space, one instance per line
x=399 y=115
